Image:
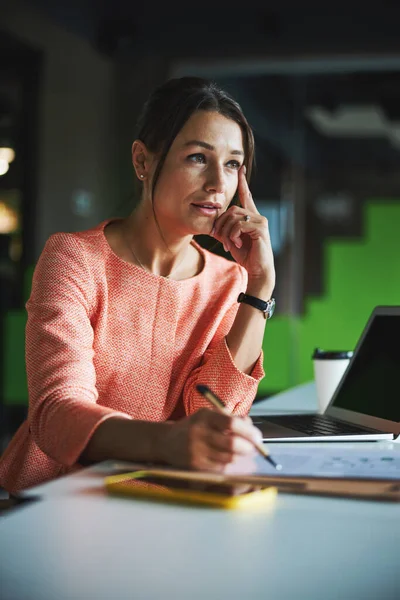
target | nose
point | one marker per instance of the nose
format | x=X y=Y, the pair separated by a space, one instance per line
x=215 y=181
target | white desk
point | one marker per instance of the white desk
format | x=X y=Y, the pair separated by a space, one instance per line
x=79 y=544
x=302 y=398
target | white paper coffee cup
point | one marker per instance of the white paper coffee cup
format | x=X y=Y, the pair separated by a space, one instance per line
x=329 y=367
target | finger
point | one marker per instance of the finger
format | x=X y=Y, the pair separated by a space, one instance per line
x=244 y=194
x=205 y=452
x=226 y=232
x=235 y=234
x=258 y=434
x=201 y=461
x=229 y=444
x=235 y=211
x=218 y=456
x=207 y=464
x=216 y=230
x=212 y=420
x=207 y=455
x=256 y=228
x=243 y=428
x=257 y=431
x=219 y=223
x=232 y=221
x=207 y=419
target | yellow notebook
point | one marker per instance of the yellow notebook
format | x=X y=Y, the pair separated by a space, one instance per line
x=191 y=488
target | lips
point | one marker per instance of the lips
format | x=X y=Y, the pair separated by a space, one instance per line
x=207 y=205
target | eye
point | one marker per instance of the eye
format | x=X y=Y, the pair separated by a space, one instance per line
x=197 y=158
x=234 y=164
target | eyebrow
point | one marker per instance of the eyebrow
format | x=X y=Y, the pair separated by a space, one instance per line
x=210 y=147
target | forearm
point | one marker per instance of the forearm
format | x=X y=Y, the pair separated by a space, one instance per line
x=126 y=439
x=245 y=337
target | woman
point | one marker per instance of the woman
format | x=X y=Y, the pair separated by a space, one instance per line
x=124 y=320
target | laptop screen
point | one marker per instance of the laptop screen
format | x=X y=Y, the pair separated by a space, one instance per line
x=371 y=385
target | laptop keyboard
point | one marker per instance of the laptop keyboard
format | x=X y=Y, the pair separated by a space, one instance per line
x=318 y=425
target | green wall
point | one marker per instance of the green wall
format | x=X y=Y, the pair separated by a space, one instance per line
x=14 y=376
x=360 y=275
x=15 y=387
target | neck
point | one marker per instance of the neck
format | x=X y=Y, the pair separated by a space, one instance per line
x=155 y=248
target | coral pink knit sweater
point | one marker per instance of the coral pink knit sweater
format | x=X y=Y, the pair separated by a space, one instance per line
x=105 y=337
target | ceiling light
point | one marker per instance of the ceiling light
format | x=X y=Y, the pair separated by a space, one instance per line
x=7 y=154
x=362 y=121
x=8 y=219
x=3 y=166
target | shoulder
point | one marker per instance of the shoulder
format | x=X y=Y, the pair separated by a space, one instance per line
x=77 y=257
x=81 y=245
x=67 y=265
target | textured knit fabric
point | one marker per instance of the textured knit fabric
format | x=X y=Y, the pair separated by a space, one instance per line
x=104 y=337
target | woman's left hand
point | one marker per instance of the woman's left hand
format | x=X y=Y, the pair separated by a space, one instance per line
x=247 y=239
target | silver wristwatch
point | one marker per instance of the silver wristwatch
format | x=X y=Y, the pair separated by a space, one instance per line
x=266 y=307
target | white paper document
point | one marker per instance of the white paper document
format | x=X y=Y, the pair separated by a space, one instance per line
x=323 y=462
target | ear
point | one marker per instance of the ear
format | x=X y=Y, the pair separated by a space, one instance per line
x=141 y=159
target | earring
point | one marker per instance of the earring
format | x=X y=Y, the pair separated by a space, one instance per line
x=141 y=176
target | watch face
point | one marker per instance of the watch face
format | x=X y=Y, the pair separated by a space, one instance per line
x=272 y=308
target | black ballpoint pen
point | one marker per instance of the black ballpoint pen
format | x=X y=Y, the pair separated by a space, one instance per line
x=219 y=405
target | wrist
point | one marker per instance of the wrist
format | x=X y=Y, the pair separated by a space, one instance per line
x=160 y=442
x=148 y=441
x=260 y=289
x=267 y=307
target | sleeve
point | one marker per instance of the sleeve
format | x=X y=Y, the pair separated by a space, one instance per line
x=219 y=372
x=63 y=409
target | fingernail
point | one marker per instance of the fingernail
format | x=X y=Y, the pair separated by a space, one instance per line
x=244 y=169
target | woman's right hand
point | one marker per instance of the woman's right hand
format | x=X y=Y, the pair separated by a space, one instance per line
x=208 y=440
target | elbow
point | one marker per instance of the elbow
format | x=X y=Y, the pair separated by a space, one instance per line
x=46 y=436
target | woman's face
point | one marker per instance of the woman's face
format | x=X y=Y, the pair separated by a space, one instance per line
x=200 y=174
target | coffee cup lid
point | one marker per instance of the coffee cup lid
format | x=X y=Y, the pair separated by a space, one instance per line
x=331 y=354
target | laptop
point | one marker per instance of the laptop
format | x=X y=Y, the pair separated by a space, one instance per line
x=366 y=402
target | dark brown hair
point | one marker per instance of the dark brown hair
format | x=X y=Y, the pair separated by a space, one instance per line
x=172 y=104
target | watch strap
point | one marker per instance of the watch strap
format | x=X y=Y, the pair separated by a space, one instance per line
x=266 y=307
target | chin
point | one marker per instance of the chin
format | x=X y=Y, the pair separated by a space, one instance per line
x=201 y=228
